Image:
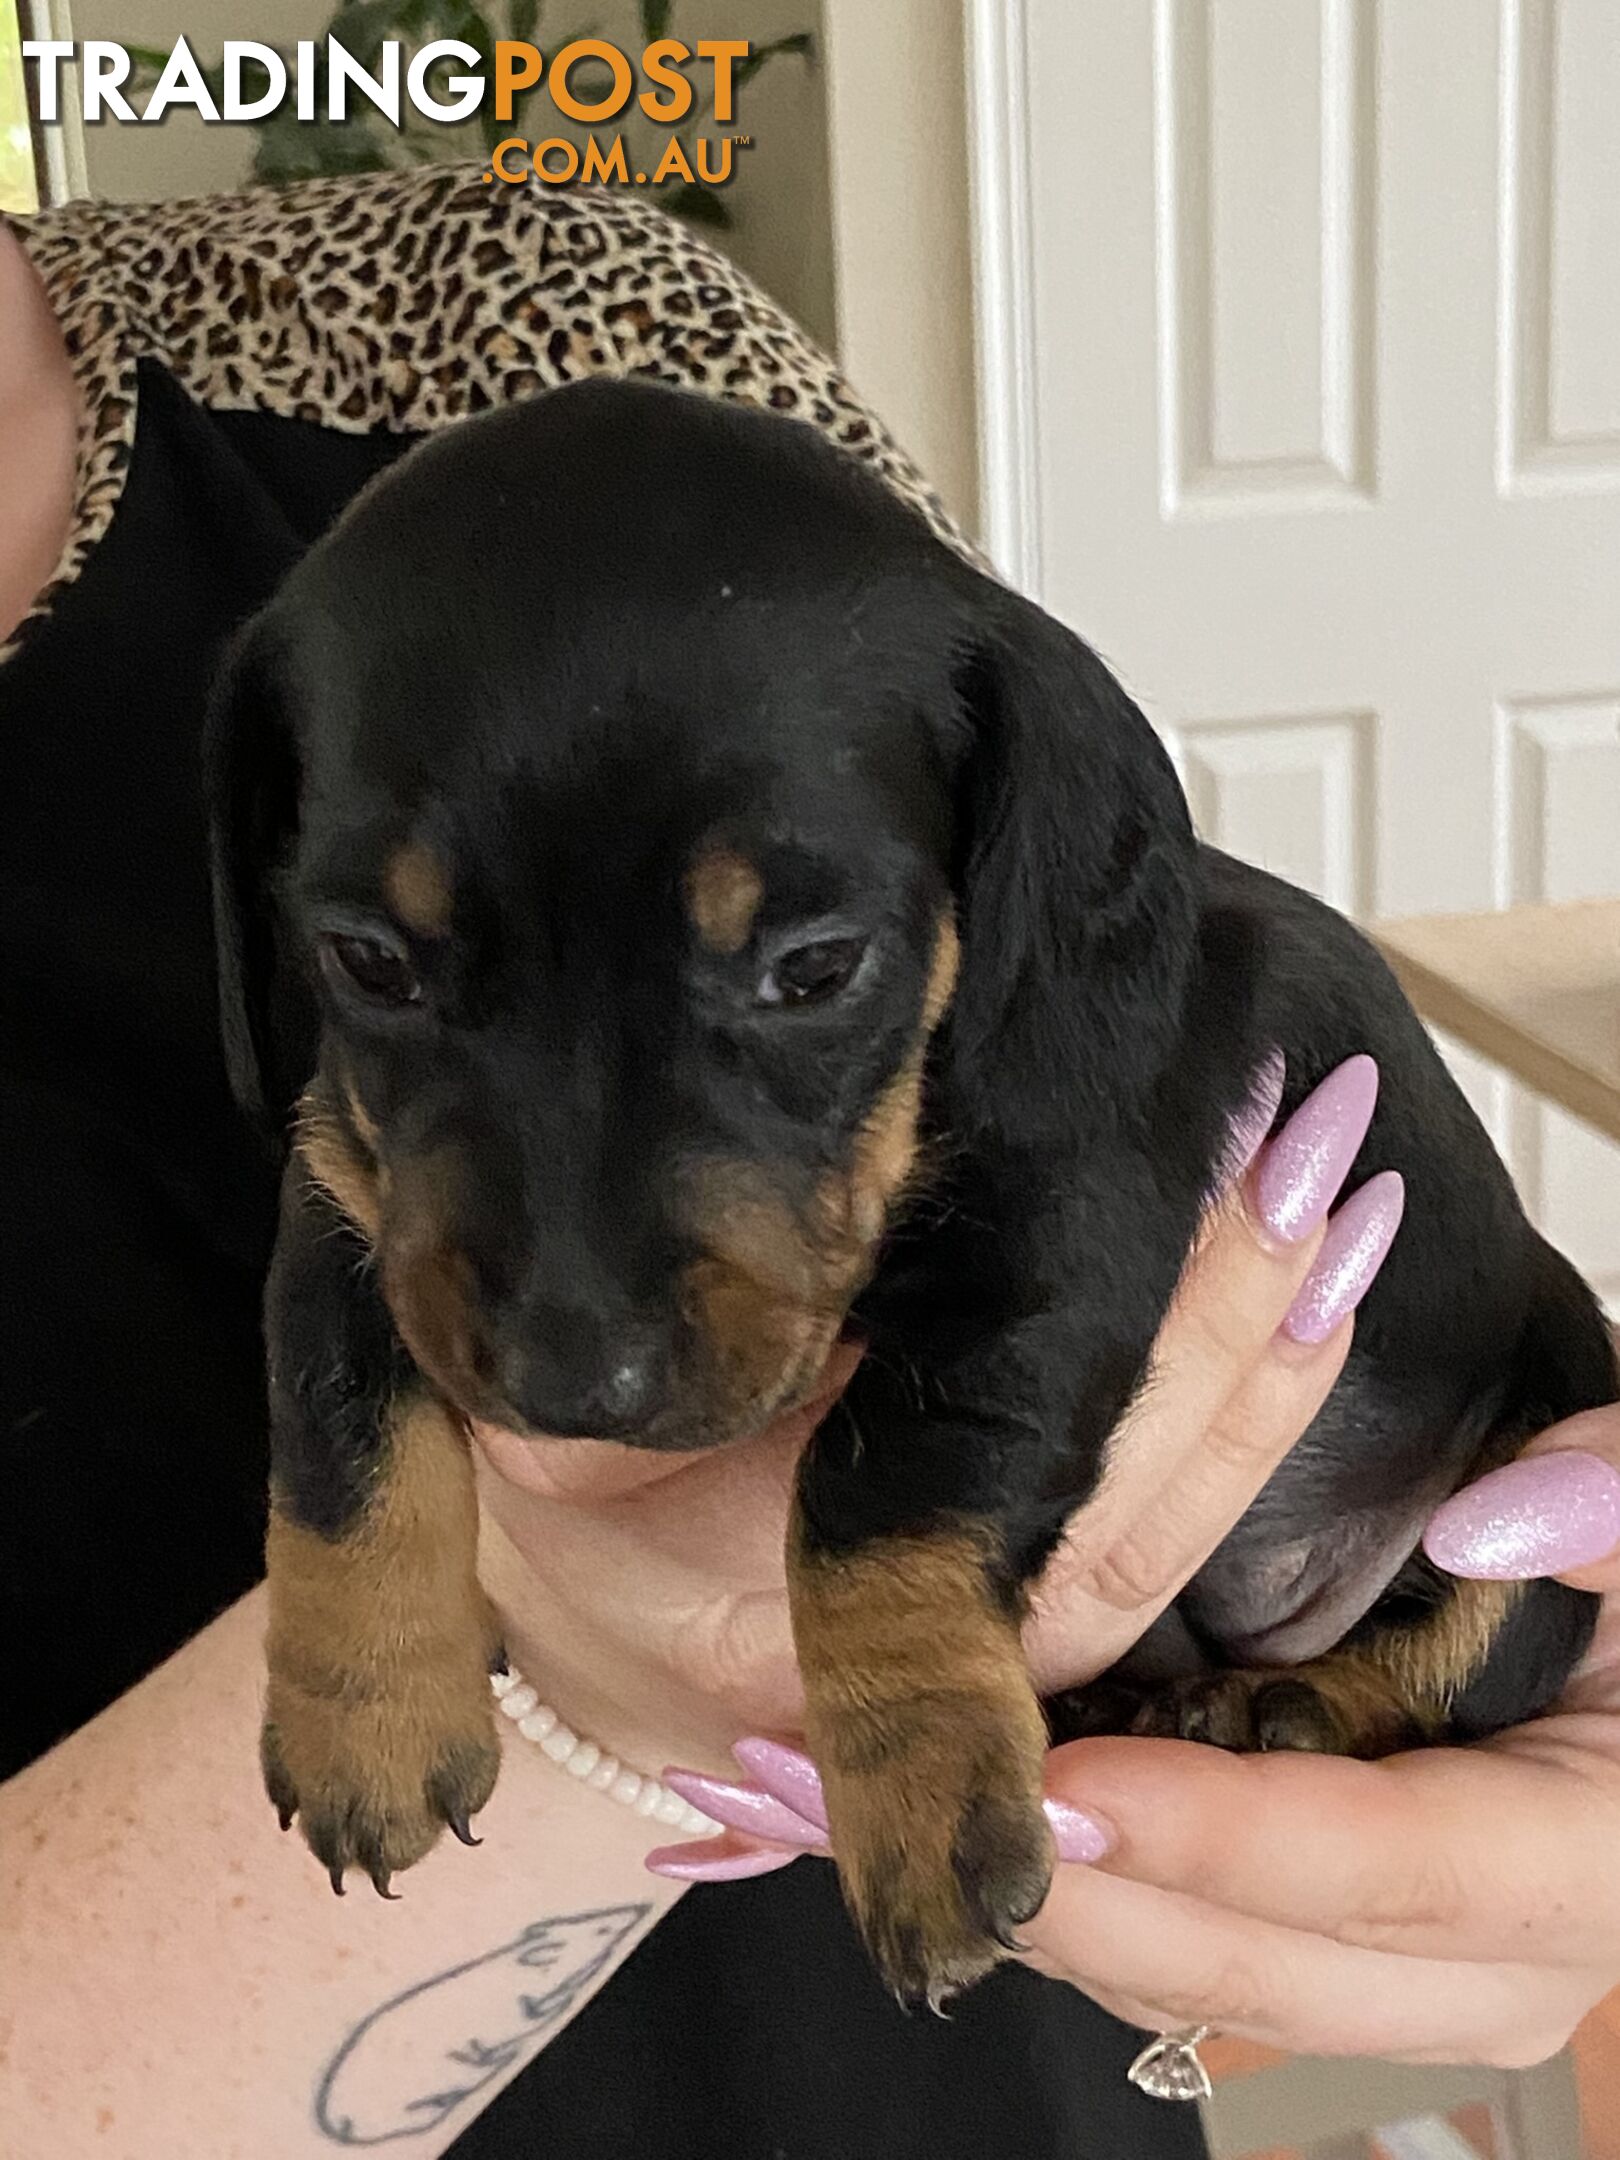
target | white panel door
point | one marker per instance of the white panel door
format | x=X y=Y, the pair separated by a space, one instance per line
x=1302 y=344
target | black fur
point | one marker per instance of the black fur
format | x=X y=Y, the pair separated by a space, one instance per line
x=336 y=1363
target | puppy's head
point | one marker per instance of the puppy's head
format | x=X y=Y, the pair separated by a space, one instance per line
x=633 y=831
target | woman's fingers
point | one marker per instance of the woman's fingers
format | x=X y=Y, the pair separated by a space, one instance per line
x=1172 y=1960
x=1135 y=1569
x=1555 y=1511
x=1250 y=1347
x=1463 y=1855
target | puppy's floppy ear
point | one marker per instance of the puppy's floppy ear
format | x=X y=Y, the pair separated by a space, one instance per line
x=251 y=781
x=1076 y=869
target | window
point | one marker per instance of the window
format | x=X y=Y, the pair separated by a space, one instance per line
x=19 y=188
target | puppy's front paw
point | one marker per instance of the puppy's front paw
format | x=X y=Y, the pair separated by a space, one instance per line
x=373 y=1784
x=944 y=1851
x=379 y=1723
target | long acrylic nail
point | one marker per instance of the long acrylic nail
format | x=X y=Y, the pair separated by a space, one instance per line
x=1300 y=1172
x=1353 y=1251
x=704 y=1860
x=792 y=1778
x=748 y=1808
x=1076 y=1834
x=1248 y=1129
x=1540 y=1516
x=787 y=1773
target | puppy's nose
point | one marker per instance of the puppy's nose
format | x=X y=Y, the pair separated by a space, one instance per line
x=574 y=1375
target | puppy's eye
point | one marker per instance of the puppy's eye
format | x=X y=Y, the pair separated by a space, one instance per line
x=811 y=973
x=381 y=973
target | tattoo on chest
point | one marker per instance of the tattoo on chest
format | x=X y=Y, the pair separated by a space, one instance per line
x=427 y=2053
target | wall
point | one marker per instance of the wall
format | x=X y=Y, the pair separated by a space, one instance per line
x=901 y=228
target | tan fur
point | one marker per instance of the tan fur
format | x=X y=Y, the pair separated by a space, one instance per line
x=922 y=1717
x=365 y=1125
x=942 y=975
x=1423 y=1668
x=431 y=1294
x=417 y=886
x=337 y=1162
x=1365 y=1699
x=769 y=1295
x=882 y=1159
x=379 y=1646
x=766 y=1300
x=723 y=892
x=429 y=1282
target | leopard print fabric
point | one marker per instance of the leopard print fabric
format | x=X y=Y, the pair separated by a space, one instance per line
x=408 y=301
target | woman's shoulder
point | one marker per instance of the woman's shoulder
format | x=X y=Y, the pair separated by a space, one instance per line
x=407 y=300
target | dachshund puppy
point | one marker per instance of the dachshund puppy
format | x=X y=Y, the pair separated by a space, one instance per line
x=694 y=912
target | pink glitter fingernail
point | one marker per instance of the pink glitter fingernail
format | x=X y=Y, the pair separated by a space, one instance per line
x=701 y=1861
x=748 y=1808
x=1301 y=1171
x=1541 y=1516
x=1358 y=1238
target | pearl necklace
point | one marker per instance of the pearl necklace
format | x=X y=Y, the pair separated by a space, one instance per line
x=594 y=1768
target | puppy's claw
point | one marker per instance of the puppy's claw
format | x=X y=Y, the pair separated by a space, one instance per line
x=351 y=1817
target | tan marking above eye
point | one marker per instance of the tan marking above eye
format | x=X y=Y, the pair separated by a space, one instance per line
x=723 y=892
x=417 y=887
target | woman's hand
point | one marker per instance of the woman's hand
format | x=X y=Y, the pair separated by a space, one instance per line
x=645 y=1594
x=1453 y=1904
x=1457 y=1904
x=1450 y=1905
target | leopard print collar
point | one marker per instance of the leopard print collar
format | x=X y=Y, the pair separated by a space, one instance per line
x=407 y=301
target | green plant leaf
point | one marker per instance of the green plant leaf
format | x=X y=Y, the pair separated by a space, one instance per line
x=362 y=27
x=459 y=18
x=149 y=63
x=591 y=81
x=801 y=42
x=289 y=149
x=147 y=60
x=698 y=204
x=523 y=19
x=655 y=15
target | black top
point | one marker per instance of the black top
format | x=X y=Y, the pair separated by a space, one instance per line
x=137 y=1223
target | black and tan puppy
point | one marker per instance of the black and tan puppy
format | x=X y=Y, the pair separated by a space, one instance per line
x=694 y=912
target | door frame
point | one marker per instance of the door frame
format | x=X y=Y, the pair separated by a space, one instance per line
x=1001 y=200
